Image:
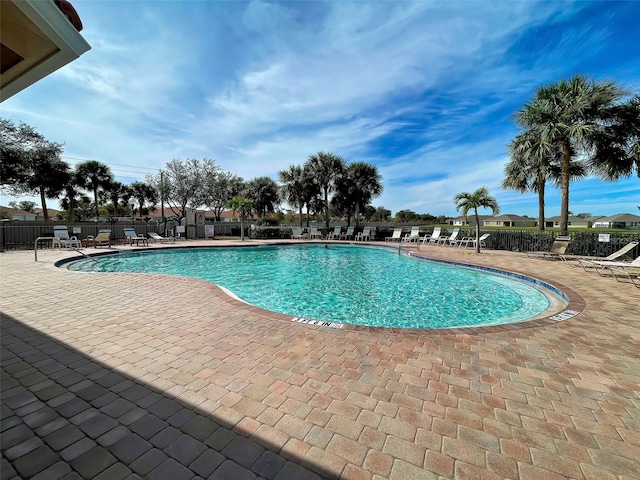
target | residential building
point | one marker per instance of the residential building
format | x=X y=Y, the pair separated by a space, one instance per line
x=574 y=222
x=509 y=220
x=469 y=221
x=621 y=220
x=17 y=214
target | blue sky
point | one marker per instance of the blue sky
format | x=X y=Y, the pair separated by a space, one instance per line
x=424 y=90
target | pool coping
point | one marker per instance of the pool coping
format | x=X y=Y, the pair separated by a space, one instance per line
x=575 y=303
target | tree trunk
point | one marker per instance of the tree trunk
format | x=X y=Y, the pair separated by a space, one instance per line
x=564 y=190
x=242 y=228
x=326 y=208
x=43 y=200
x=95 y=199
x=477 y=231
x=300 y=211
x=541 y=182
x=357 y=215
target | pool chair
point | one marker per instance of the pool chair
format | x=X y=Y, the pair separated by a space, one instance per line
x=587 y=262
x=396 y=237
x=335 y=235
x=103 y=238
x=630 y=270
x=348 y=234
x=62 y=239
x=158 y=238
x=432 y=237
x=365 y=234
x=131 y=236
x=559 y=246
x=315 y=233
x=471 y=241
x=451 y=239
x=413 y=235
x=297 y=233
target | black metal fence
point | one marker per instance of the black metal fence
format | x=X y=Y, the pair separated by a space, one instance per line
x=22 y=236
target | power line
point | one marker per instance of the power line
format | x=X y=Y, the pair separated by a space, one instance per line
x=115 y=164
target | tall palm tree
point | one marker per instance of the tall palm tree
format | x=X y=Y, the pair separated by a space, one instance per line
x=311 y=192
x=292 y=188
x=366 y=185
x=263 y=192
x=243 y=206
x=143 y=193
x=472 y=201
x=73 y=196
x=565 y=117
x=94 y=175
x=115 y=191
x=326 y=168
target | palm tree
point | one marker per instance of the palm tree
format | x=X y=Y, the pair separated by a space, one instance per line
x=263 y=192
x=366 y=185
x=94 y=175
x=243 y=206
x=565 y=117
x=143 y=193
x=116 y=191
x=73 y=196
x=472 y=201
x=292 y=189
x=326 y=168
x=311 y=192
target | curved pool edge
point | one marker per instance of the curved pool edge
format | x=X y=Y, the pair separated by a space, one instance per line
x=574 y=307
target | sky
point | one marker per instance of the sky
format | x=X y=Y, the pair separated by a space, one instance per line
x=426 y=91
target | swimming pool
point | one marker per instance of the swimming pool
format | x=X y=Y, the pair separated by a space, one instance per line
x=344 y=283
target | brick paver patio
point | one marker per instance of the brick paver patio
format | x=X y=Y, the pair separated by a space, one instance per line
x=114 y=376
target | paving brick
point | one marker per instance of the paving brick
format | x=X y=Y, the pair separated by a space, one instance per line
x=76 y=449
x=129 y=448
x=401 y=470
x=185 y=449
x=164 y=438
x=35 y=461
x=268 y=465
x=207 y=462
x=243 y=451
x=148 y=461
x=148 y=426
x=170 y=469
x=93 y=462
x=403 y=450
x=292 y=471
x=199 y=427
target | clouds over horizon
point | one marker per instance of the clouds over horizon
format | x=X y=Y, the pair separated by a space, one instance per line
x=423 y=90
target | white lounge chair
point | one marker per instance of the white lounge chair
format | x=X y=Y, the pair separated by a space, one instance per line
x=396 y=237
x=630 y=270
x=102 y=239
x=413 y=235
x=335 y=234
x=365 y=234
x=432 y=237
x=296 y=233
x=315 y=233
x=587 y=262
x=62 y=238
x=471 y=241
x=348 y=234
x=451 y=239
x=158 y=238
x=131 y=236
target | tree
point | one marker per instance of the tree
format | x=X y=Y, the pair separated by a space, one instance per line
x=30 y=163
x=263 y=192
x=218 y=188
x=311 y=192
x=243 y=207
x=472 y=201
x=326 y=168
x=74 y=198
x=366 y=184
x=292 y=188
x=566 y=118
x=405 y=216
x=144 y=194
x=94 y=176
x=381 y=214
x=117 y=191
x=26 y=205
x=180 y=184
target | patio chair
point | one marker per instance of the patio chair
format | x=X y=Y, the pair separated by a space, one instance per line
x=413 y=235
x=630 y=270
x=451 y=239
x=297 y=233
x=471 y=241
x=396 y=237
x=557 y=249
x=587 y=262
x=62 y=238
x=103 y=238
x=348 y=234
x=365 y=234
x=335 y=235
x=432 y=237
x=315 y=233
x=158 y=238
x=131 y=236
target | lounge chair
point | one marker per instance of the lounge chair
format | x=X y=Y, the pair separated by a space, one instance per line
x=396 y=237
x=103 y=238
x=587 y=262
x=413 y=235
x=131 y=236
x=62 y=238
x=314 y=233
x=335 y=234
x=432 y=237
x=297 y=233
x=630 y=270
x=471 y=241
x=451 y=239
x=348 y=234
x=365 y=234
x=158 y=238
x=558 y=248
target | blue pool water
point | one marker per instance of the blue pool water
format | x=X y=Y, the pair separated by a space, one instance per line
x=344 y=283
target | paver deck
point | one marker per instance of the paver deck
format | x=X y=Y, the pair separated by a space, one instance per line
x=114 y=376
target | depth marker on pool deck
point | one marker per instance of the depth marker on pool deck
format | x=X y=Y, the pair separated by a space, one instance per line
x=317 y=322
x=567 y=314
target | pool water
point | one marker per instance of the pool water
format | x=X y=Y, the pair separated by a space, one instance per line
x=344 y=283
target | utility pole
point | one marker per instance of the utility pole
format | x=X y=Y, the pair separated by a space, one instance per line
x=162 y=200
